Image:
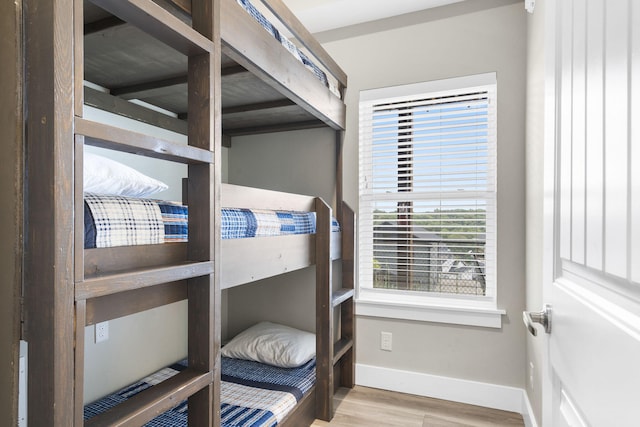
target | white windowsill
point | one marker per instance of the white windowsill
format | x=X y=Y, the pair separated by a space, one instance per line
x=472 y=316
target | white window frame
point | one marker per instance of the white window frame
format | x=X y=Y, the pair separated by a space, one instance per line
x=417 y=305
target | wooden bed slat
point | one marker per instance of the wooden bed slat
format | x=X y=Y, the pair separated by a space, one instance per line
x=159 y=23
x=102 y=285
x=105 y=136
x=152 y=402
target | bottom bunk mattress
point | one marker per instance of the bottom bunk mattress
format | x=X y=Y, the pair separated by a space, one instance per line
x=252 y=394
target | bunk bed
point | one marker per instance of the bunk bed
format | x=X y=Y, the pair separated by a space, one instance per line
x=215 y=70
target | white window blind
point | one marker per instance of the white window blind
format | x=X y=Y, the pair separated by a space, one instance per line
x=427 y=211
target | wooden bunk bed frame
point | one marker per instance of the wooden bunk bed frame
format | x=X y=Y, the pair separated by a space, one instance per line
x=67 y=287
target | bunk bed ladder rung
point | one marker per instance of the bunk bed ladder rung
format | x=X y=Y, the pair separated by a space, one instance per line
x=108 y=284
x=152 y=402
x=340 y=348
x=114 y=138
x=341 y=296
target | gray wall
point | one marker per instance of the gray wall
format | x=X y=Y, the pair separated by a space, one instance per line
x=301 y=162
x=451 y=41
x=11 y=210
x=534 y=179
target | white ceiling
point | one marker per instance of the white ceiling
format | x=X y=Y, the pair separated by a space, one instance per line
x=323 y=15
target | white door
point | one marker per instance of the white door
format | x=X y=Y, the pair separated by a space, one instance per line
x=592 y=213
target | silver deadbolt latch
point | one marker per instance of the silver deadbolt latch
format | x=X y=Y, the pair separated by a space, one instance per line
x=543 y=317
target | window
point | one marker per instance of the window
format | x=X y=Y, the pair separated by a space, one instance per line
x=427 y=215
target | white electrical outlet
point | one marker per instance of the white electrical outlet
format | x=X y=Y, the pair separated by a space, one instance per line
x=386 y=341
x=102 y=331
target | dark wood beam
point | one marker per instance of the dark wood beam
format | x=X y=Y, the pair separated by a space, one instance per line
x=250 y=107
x=283 y=127
x=102 y=25
x=121 y=107
x=133 y=91
x=234 y=69
x=258 y=106
x=226 y=140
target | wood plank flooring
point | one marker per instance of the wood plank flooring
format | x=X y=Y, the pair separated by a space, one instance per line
x=362 y=406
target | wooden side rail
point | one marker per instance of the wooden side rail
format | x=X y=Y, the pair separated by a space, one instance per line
x=324 y=313
x=153 y=401
x=347 y=305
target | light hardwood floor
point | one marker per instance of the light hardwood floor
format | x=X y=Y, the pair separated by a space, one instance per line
x=364 y=406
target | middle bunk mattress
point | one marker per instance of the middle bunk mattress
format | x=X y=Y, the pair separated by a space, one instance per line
x=111 y=221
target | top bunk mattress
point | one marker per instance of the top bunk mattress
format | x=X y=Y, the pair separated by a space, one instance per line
x=295 y=51
x=111 y=221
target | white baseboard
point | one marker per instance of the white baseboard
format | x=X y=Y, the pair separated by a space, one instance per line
x=471 y=392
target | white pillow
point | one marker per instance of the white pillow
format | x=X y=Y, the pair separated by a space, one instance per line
x=273 y=344
x=106 y=176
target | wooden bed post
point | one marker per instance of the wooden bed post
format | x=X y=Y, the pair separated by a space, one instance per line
x=347 y=308
x=333 y=356
x=339 y=135
x=324 y=313
x=49 y=232
x=205 y=131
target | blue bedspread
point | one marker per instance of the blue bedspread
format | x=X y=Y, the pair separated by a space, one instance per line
x=295 y=51
x=252 y=394
x=120 y=221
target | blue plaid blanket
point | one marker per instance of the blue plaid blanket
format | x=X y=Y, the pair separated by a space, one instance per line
x=252 y=394
x=241 y=223
x=121 y=221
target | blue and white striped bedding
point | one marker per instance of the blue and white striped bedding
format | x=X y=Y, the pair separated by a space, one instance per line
x=295 y=51
x=121 y=221
x=252 y=394
x=242 y=223
x=124 y=221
